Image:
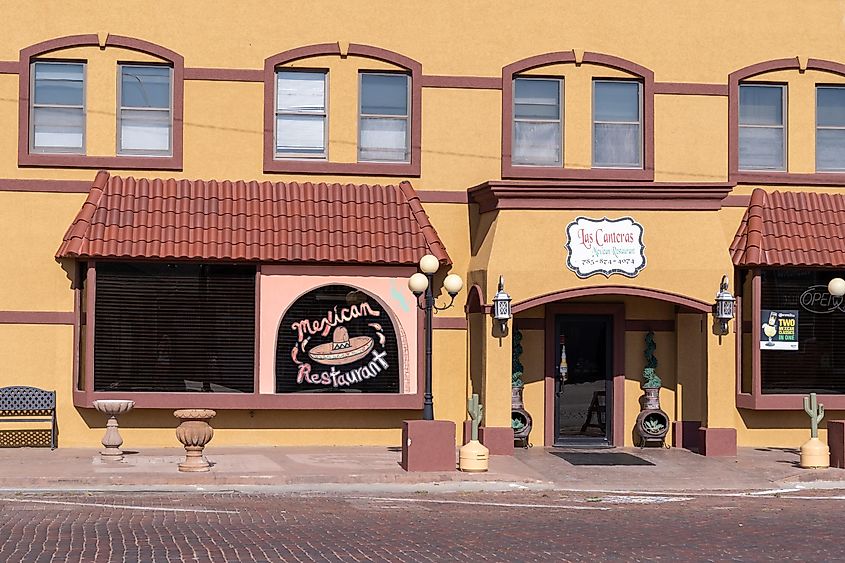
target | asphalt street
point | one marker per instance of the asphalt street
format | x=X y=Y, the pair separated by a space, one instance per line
x=423 y=526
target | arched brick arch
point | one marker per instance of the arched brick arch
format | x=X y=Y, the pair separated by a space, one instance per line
x=28 y=54
x=645 y=75
x=750 y=71
x=413 y=68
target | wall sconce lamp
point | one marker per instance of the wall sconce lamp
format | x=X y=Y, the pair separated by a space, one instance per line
x=502 y=306
x=724 y=309
x=422 y=283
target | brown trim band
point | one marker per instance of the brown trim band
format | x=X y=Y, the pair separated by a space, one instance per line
x=690 y=89
x=536 y=194
x=37 y=317
x=689 y=303
x=290 y=166
x=224 y=74
x=9 y=67
x=529 y=323
x=45 y=186
x=437 y=196
x=643 y=74
x=256 y=401
x=449 y=323
x=778 y=178
x=646 y=325
x=736 y=201
x=26 y=158
x=463 y=82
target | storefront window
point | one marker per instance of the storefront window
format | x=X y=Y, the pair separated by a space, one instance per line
x=800 y=333
x=337 y=338
x=174 y=328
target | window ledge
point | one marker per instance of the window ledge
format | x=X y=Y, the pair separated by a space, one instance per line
x=788 y=178
x=523 y=171
x=121 y=162
x=761 y=402
x=291 y=166
x=256 y=401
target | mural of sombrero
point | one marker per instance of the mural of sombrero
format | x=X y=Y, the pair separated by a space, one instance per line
x=342 y=349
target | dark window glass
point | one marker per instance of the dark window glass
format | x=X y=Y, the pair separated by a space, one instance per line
x=335 y=339
x=819 y=363
x=174 y=328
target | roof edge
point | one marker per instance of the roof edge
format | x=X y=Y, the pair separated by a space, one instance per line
x=435 y=245
x=72 y=241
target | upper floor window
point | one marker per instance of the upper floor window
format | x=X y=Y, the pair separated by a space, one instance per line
x=58 y=107
x=830 y=128
x=145 y=118
x=384 y=124
x=537 y=122
x=301 y=117
x=762 y=129
x=617 y=124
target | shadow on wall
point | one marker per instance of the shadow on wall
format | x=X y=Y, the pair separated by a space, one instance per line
x=261 y=419
x=788 y=420
x=24 y=438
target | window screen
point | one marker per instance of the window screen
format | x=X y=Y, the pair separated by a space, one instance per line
x=145 y=110
x=58 y=107
x=617 y=124
x=384 y=120
x=537 y=135
x=830 y=128
x=337 y=338
x=301 y=114
x=762 y=134
x=818 y=365
x=174 y=328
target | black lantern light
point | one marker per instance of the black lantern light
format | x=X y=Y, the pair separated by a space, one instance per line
x=502 y=305
x=724 y=310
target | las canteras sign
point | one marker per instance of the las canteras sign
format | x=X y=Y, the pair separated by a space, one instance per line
x=605 y=246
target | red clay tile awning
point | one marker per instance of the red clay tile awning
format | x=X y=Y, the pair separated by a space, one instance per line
x=251 y=221
x=791 y=229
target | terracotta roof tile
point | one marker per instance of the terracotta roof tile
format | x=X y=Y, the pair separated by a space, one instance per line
x=791 y=229
x=251 y=221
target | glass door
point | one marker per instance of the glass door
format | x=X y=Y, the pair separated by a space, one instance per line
x=583 y=384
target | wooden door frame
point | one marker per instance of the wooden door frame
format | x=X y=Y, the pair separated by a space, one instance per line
x=617 y=415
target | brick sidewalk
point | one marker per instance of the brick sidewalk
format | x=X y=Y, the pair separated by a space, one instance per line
x=366 y=467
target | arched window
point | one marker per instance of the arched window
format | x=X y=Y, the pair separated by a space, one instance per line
x=337 y=338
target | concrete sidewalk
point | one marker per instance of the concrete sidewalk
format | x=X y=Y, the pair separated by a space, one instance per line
x=377 y=468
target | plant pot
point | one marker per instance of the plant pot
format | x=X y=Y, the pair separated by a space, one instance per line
x=815 y=453
x=516 y=397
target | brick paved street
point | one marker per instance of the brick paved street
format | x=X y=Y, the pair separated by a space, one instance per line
x=515 y=526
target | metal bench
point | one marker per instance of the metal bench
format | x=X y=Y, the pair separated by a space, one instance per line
x=29 y=404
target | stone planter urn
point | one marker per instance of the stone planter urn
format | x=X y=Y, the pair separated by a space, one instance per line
x=112 y=440
x=194 y=433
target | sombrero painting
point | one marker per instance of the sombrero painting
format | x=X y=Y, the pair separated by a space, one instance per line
x=342 y=349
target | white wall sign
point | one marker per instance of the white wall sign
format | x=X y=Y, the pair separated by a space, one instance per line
x=605 y=246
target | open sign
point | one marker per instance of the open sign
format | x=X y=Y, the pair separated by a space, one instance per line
x=816 y=299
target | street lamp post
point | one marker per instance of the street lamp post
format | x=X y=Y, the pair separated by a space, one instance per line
x=422 y=283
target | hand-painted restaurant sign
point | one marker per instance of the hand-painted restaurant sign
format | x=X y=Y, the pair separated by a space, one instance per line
x=337 y=338
x=605 y=246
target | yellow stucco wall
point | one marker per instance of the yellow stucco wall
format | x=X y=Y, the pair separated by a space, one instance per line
x=461 y=147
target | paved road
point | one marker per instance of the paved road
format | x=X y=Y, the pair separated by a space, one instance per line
x=513 y=526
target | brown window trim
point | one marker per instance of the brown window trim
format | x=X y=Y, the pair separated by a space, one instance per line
x=291 y=166
x=29 y=159
x=757 y=400
x=239 y=401
x=509 y=170
x=765 y=177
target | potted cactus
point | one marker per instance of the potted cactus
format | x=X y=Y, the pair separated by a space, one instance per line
x=474 y=456
x=814 y=452
x=517 y=385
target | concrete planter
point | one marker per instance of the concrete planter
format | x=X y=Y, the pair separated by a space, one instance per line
x=194 y=433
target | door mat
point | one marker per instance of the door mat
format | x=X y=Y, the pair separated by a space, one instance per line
x=601 y=458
